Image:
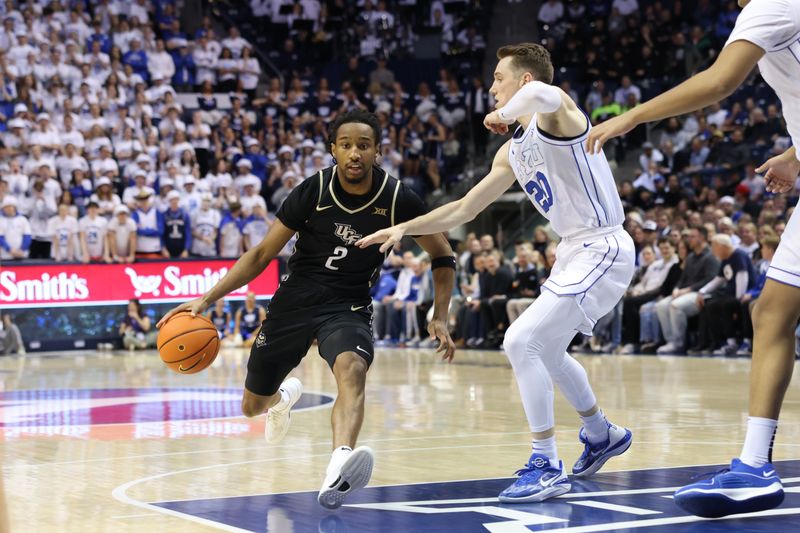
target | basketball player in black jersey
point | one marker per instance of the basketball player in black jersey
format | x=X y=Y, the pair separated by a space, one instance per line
x=326 y=296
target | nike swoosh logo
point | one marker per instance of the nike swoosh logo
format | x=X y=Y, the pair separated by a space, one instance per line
x=362 y=349
x=356 y=307
x=549 y=481
x=324 y=208
x=767 y=474
x=585 y=245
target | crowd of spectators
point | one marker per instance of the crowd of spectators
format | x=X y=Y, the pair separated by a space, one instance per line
x=103 y=159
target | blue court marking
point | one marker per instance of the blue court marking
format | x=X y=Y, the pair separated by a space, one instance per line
x=636 y=500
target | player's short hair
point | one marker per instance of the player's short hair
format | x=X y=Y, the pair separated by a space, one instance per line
x=356 y=116
x=529 y=57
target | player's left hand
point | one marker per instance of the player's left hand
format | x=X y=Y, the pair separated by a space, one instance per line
x=389 y=237
x=438 y=330
x=495 y=124
x=608 y=130
x=780 y=173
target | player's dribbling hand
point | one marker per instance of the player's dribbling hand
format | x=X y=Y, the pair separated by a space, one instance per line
x=495 y=124
x=780 y=173
x=608 y=130
x=389 y=237
x=438 y=330
x=195 y=307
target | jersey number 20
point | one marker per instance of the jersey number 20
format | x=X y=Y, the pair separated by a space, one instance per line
x=539 y=188
x=338 y=253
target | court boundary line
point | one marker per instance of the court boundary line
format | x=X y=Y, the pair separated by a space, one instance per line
x=120 y=492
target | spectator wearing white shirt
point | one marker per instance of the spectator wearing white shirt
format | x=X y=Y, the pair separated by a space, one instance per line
x=249 y=72
x=649 y=155
x=105 y=197
x=626 y=88
x=205 y=59
x=250 y=197
x=190 y=198
x=36 y=160
x=68 y=162
x=105 y=164
x=160 y=63
x=205 y=228
x=15 y=231
x=140 y=185
x=235 y=42
x=18 y=54
x=69 y=135
x=18 y=182
x=256 y=227
x=227 y=72
x=63 y=228
x=121 y=236
x=45 y=135
x=139 y=11
x=244 y=175
x=39 y=209
x=169 y=125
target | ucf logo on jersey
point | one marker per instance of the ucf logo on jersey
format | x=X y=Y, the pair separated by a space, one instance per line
x=346 y=233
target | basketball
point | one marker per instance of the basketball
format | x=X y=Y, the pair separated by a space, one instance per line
x=188 y=344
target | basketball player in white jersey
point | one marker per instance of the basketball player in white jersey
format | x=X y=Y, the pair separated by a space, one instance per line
x=594 y=264
x=767 y=34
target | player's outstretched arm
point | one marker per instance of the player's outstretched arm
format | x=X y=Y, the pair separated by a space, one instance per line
x=444 y=278
x=733 y=65
x=250 y=265
x=448 y=216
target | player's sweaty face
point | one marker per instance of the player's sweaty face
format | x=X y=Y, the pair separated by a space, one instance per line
x=355 y=150
x=506 y=82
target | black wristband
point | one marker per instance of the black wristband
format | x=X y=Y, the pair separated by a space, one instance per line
x=447 y=261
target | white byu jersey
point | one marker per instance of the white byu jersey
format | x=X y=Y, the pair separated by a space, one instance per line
x=774 y=26
x=574 y=190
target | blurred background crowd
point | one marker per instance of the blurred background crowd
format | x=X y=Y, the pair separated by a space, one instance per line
x=127 y=135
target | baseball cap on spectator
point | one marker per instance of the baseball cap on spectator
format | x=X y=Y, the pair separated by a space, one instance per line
x=743 y=189
x=647 y=146
x=42 y=116
x=20 y=108
x=173 y=194
x=232 y=151
x=635 y=217
x=139 y=173
x=244 y=163
x=650 y=225
x=317 y=153
x=166 y=182
x=251 y=142
x=189 y=180
x=252 y=181
x=122 y=208
x=172 y=164
x=9 y=201
x=285 y=149
x=206 y=196
x=308 y=143
x=727 y=200
x=288 y=174
x=144 y=194
x=143 y=158
x=383 y=107
x=102 y=181
x=16 y=123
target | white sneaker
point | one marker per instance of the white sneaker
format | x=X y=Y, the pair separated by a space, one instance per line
x=670 y=348
x=351 y=475
x=278 y=419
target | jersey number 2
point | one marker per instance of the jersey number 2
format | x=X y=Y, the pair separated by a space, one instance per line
x=338 y=253
x=539 y=188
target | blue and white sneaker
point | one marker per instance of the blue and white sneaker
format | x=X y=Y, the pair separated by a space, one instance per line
x=738 y=489
x=538 y=481
x=594 y=456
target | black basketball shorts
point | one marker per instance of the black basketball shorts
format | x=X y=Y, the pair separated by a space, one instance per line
x=283 y=341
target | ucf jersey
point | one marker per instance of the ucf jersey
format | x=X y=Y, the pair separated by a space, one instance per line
x=326 y=266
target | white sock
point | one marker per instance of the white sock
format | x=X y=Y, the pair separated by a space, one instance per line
x=757 y=448
x=283 y=403
x=547 y=447
x=338 y=457
x=595 y=427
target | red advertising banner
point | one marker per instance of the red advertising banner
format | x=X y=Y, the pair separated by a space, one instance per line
x=101 y=284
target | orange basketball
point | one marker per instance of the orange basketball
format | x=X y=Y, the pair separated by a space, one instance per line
x=188 y=344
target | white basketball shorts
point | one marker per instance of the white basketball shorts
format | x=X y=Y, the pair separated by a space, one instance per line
x=596 y=269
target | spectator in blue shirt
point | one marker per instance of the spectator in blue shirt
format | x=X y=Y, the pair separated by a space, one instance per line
x=381 y=296
x=185 y=68
x=137 y=59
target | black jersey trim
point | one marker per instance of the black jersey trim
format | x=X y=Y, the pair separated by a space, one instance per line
x=552 y=137
x=372 y=201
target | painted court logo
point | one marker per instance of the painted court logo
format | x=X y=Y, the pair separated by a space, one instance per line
x=84 y=407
